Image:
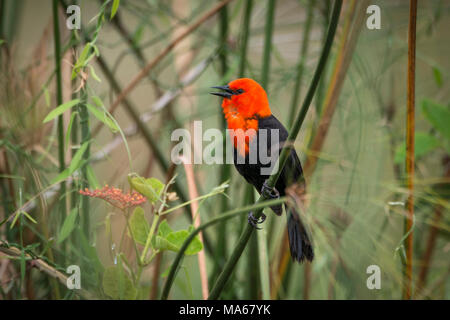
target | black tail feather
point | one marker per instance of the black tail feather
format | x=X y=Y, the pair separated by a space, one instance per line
x=299 y=241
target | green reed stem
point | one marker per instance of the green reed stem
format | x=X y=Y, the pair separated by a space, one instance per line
x=85 y=137
x=321 y=88
x=225 y=169
x=265 y=77
x=242 y=242
x=74 y=137
x=244 y=37
x=59 y=101
x=410 y=131
x=263 y=259
x=301 y=62
x=60 y=123
x=270 y=13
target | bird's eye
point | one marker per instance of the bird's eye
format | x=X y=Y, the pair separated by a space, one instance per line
x=239 y=91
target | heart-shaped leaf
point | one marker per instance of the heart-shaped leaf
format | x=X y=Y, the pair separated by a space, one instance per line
x=150 y=188
x=139 y=226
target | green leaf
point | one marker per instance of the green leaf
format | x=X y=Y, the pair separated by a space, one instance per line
x=437 y=76
x=69 y=128
x=2 y=41
x=81 y=61
x=16 y=217
x=74 y=164
x=60 y=177
x=115 y=279
x=103 y=117
x=15 y=220
x=164 y=229
x=97 y=101
x=139 y=226
x=438 y=115
x=137 y=36
x=164 y=244
x=22 y=265
x=60 y=110
x=151 y=188
x=94 y=75
x=92 y=178
x=28 y=217
x=115 y=6
x=424 y=143
x=178 y=238
x=68 y=225
x=167 y=239
x=166 y=272
x=76 y=160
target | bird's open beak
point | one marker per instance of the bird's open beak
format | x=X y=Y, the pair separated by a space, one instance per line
x=227 y=94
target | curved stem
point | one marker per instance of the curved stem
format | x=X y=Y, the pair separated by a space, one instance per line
x=60 y=120
x=222 y=217
x=230 y=265
x=149 y=239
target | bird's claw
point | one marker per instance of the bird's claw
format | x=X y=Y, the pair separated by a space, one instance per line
x=254 y=221
x=269 y=192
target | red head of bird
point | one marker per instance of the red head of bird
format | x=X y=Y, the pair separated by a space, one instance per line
x=245 y=101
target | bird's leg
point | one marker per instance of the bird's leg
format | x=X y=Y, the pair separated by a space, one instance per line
x=269 y=192
x=253 y=221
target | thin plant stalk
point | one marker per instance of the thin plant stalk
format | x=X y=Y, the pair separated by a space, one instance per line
x=85 y=138
x=429 y=250
x=132 y=110
x=220 y=218
x=248 y=197
x=268 y=32
x=244 y=37
x=74 y=135
x=225 y=169
x=59 y=101
x=252 y=253
x=261 y=239
x=223 y=34
x=263 y=258
x=321 y=87
x=249 y=191
x=432 y=238
x=410 y=129
x=301 y=62
x=242 y=242
x=60 y=120
x=193 y=193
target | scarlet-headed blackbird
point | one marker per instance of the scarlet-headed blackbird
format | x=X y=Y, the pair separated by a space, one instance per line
x=247 y=112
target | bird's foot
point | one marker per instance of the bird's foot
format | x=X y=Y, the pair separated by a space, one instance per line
x=269 y=192
x=254 y=221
